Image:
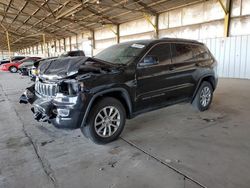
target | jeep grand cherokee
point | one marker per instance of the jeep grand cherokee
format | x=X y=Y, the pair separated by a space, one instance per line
x=98 y=94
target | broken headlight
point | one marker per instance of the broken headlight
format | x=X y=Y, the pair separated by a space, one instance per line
x=69 y=87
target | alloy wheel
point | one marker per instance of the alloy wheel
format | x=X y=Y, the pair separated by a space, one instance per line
x=13 y=69
x=205 y=96
x=107 y=121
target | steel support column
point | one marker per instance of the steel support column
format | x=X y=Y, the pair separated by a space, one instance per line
x=70 y=47
x=155 y=24
x=118 y=33
x=227 y=10
x=8 y=40
x=8 y=43
x=44 y=49
x=64 y=44
x=93 y=41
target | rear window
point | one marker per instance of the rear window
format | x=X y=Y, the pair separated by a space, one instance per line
x=189 y=52
x=181 y=53
x=200 y=52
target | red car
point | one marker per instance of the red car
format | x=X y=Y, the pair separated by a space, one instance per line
x=13 y=66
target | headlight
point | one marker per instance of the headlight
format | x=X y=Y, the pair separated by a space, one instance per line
x=28 y=93
x=63 y=112
x=69 y=87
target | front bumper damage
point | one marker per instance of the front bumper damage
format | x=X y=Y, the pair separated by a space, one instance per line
x=62 y=111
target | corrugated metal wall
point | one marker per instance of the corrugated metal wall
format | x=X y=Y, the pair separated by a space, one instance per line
x=232 y=54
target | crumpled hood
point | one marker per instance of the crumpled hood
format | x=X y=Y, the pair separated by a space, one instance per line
x=67 y=66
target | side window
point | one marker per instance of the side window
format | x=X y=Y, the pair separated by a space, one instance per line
x=162 y=52
x=29 y=61
x=181 y=53
x=200 y=53
x=19 y=58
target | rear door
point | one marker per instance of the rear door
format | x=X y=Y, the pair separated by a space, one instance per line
x=183 y=70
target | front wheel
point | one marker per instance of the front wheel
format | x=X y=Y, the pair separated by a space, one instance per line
x=13 y=69
x=105 y=122
x=203 y=97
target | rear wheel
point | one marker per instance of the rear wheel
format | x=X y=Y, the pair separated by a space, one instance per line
x=106 y=121
x=203 y=97
x=13 y=69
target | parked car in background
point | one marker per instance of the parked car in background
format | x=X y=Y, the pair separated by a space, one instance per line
x=73 y=53
x=98 y=94
x=33 y=71
x=13 y=66
x=27 y=64
x=15 y=58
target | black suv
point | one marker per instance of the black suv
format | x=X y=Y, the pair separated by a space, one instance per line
x=98 y=94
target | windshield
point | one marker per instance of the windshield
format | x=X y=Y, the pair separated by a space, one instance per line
x=121 y=53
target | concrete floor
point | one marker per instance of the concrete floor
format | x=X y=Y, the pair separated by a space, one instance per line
x=175 y=147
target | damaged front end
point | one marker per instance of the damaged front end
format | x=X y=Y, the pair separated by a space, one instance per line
x=59 y=103
x=59 y=95
x=57 y=98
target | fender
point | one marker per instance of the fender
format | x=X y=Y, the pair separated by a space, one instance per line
x=199 y=83
x=122 y=90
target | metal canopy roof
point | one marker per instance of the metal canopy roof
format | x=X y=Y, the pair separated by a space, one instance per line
x=27 y=20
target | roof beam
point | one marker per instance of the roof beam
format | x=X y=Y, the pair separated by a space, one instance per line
x=146 y=7
x=44 y=18
x=93 y=11
x=116 y=7
x=69 y=11
x=141 y=8
x=41 y=6
x=25 y=4
x=8 y=6
x=22 y=34
x=32 y=14
x=90 y=15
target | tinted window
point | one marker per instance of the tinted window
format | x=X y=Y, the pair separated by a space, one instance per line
x=76 y=53
x=200 y=53
x=18 y=58
x=181 y=53
x=162 y=53
x=28 y=60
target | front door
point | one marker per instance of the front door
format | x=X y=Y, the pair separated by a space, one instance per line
x=152 y=75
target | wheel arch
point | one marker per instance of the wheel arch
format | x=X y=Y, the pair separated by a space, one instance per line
x=120 y=94
x=209 y=78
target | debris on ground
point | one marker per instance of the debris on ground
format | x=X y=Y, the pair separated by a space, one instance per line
x=208 y=120
x=112 y=163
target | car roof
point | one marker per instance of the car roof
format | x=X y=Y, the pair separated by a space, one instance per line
x=179 y=40
x=75 y=51
x=153 y=41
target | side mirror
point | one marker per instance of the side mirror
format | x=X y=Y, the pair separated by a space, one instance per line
x=148 y=61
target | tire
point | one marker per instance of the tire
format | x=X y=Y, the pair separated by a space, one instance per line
x=99 y=127
x=203 y=97
x=13 y=69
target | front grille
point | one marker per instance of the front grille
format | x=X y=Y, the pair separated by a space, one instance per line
x=46 y=89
